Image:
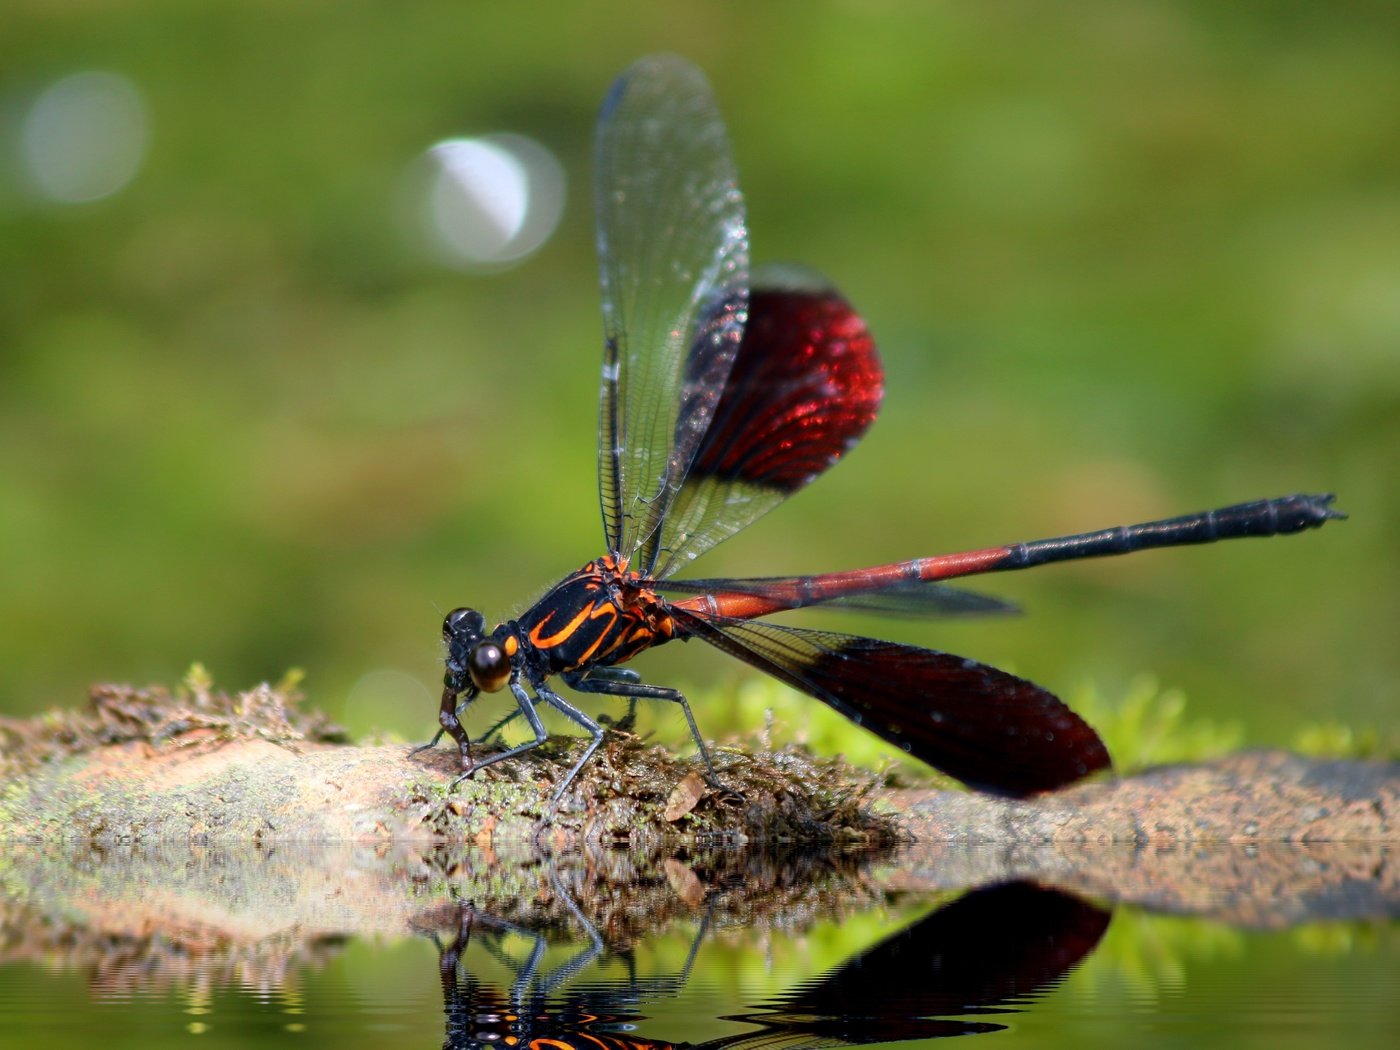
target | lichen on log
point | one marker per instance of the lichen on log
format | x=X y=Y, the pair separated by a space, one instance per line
x=204 y=767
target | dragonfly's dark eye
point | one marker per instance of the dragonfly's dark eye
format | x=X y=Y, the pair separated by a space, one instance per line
x=489 y=666
x=461 y=622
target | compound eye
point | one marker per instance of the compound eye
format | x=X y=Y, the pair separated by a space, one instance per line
x=462 y=621
x=489 y=667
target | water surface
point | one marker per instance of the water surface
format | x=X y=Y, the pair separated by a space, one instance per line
x=407 y=945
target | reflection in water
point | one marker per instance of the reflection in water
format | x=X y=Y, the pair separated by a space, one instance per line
x=536 y=953
x=979 y=955
x=538 y=1011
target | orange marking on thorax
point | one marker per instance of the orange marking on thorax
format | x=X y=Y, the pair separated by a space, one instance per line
x=600 y=610
x=588 y=612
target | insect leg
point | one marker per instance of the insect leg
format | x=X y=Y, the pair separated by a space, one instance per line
x=457 y=715
x=429 y=745
x=497 y=726
x=485 y=737
x=571 y=712
x=613 y=681
x=527 y=708
x=626 y=723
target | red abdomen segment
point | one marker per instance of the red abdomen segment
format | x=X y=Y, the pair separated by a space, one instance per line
x=778 y=594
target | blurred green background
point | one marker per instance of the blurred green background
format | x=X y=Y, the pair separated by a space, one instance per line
x=1124 y=260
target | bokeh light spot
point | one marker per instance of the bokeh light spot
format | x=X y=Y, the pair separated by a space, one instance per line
x=388 y=699
x=492 y=200
x=84 y=138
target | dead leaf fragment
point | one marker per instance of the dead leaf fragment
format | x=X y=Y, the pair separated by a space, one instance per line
x=685 y=882
x=689 y=790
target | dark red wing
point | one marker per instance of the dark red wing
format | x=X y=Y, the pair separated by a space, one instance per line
x=987 y=949
x=991 y=730
x=804 y=387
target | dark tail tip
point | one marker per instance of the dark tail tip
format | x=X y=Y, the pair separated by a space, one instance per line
x=1323 y=506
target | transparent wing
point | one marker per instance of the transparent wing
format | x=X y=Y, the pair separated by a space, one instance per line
x=674 y=255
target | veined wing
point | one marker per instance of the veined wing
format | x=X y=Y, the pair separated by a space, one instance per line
x=673 y=249
x=991 y=730
x=803 y=389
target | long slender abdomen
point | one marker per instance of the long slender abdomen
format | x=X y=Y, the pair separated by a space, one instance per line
x=1271 y=517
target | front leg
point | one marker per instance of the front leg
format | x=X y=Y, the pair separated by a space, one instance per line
x=450 y=722
x=527 y=708
x=484 y=738
x=497 y=726
x=526 y=704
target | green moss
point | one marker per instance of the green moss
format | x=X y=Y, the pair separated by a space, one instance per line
x=1148 y=725
x=1335 y=740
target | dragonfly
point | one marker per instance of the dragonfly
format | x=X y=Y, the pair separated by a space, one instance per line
x=724 y=391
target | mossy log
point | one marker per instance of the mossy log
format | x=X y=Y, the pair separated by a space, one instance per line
x=147 y=765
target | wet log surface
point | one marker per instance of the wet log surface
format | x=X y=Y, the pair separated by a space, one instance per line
x=169 y=839
x=171 y=914
x=144 y=765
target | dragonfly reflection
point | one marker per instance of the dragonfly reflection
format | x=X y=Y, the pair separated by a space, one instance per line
x=982 y=954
